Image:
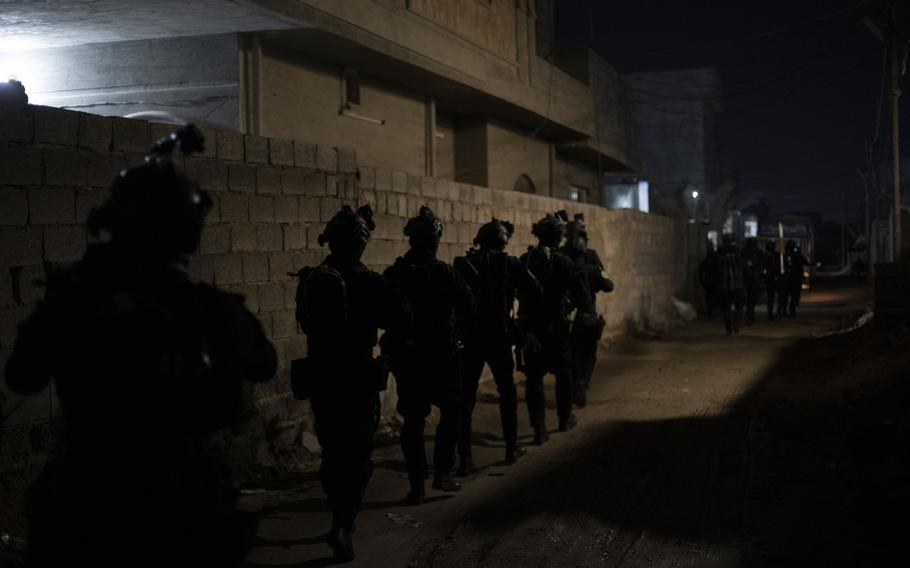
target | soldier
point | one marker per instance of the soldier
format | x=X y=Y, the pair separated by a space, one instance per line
x=730 y=284
x=588 y=325
x=341 y=304
x=752 y=259
x=545 y=326
x=771 y=272
x=428 y=374
x=791 y=280
x=148 y=367
x=494 y=277
x=708 y=277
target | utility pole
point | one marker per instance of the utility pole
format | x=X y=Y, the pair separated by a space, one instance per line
x=882 y=27
x=895 y=142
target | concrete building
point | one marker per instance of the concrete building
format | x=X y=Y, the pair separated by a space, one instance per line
x=458 y=89
x=676 y=124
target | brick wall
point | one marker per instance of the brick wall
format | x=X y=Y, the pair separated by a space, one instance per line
x=272 y=198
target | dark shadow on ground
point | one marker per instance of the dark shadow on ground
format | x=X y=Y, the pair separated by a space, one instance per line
x=797 y=473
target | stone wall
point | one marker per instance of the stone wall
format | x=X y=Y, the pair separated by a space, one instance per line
x=272 y=197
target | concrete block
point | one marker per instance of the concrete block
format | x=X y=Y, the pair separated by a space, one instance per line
x=31 y=283
x=280 y=263
x=262 y=209
x=65 y=166
x=202 y=269
x=95 y=133
x=284 y=324
x=293 y=179
x=235 y=208
x=400 y=181
x=17 y=123
x=265 y=319
x=214 y=213
x=212 y=174
x=64 y=243
x=367 y=197
x=56 y=126
x=13 y=206
x=347 y=187
x=366 y=177
x=413 y=206
x=10 y=318
x=268 y=179
x=6 y=288
x=413 y=184
x=294 y=237
x=331 y=186
x=255 y=267
x=103 y=170
x=290 y=290
x=326 y=158
x=305 y=155
x=20 y=246
x=328 y=206
x=308 y=209
x=347 y=160
x=312 y=236
x=228 y=145
x=250 y=293
x=241 y=177
x=215 y=240
x=269 y=238
x=51 y=206
x=314 y=183
x=286 y=209
x=243 y=238
x=130 y=135
x=271 y=297
x=383 y=179
x=281 y=152
x=19 y=165
x=256 y=149
x=228 y=269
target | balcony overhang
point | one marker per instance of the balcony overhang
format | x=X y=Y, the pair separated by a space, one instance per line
x=27 y=25
x=605 y=157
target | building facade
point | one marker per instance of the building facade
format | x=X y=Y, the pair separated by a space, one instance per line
x=466 y=90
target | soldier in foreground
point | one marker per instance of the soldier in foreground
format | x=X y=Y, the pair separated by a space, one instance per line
x=494 y=278
x=148 y=368
x=341 y=305
x=752 y=259
x=730 y=284
x=545 y=326
x=428 y=373
x=588 y=325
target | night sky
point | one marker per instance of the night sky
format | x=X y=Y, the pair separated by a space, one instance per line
x=802 y=82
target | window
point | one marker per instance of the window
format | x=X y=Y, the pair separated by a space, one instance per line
x=579 y=194
x=524 y=184
x=350 y=80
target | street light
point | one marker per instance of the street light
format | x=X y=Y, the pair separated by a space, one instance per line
x=694 y=195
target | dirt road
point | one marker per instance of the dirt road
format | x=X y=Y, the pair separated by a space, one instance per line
x=656 y=474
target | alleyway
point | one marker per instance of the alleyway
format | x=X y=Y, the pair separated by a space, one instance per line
x=666 y=467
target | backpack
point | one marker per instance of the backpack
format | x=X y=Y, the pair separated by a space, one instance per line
x=325 y=299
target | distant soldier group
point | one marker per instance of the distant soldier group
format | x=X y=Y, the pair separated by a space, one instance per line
x=442 y=324
x=733 y=279
x=150 y=367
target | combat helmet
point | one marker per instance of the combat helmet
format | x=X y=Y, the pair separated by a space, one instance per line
x=425 y=230
x=348 y=232
x=154 y=208
x=494 y=235
x=577 y=233
x=550 y=230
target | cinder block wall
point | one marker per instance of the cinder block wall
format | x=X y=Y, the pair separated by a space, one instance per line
x=272 y=198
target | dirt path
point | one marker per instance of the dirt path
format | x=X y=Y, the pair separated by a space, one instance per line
x=655 y=474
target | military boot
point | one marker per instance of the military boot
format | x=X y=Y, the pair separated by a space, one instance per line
x=445 y=482
x=339 y=539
